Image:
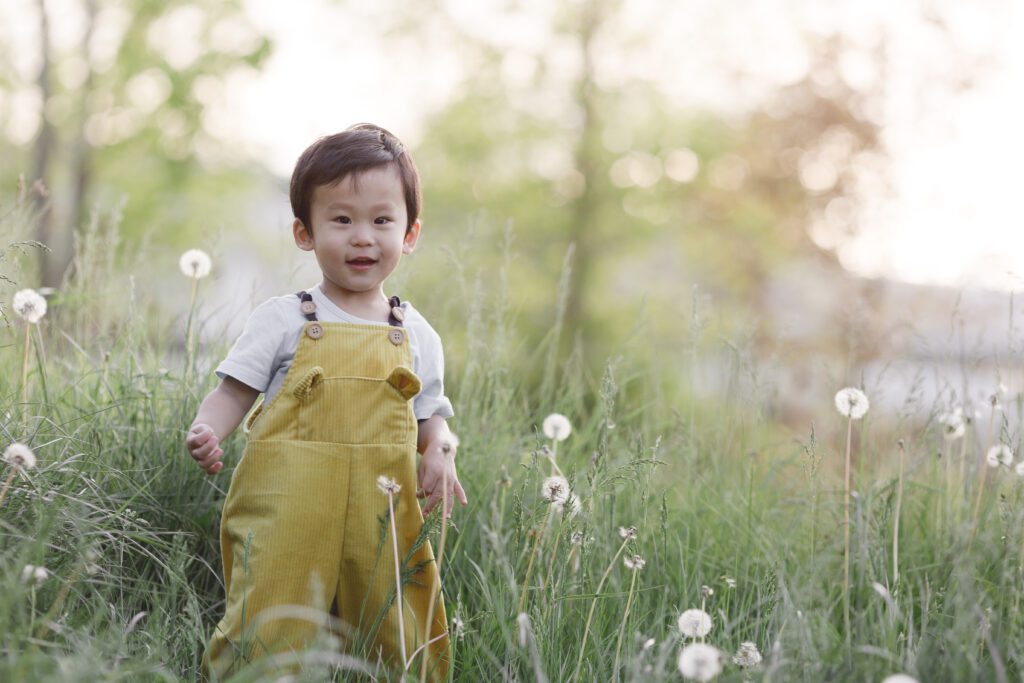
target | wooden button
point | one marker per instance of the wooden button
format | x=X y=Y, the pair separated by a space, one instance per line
x=398 y=313
x=315 y=331
x=396 y=335
x=308 y=307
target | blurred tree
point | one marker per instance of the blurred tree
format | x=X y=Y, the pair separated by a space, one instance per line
x=126 y=116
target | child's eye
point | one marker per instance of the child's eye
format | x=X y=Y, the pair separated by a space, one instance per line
x=343 y=219
x=381 y=220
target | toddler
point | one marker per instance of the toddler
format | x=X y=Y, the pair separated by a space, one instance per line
x=353 y=388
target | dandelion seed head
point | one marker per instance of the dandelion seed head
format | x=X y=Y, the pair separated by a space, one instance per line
x=1020 y=468
x=627 y=532
x=747 y=655
x=1000 y=454
x=899 y=678
x=729 y=581
x=570 y=502
x=387 y=485
x=700 y=662
x=37 y=575
x=20 y=455
x=953 y=423
x=523 y=622
x=634 y=562
x=695 y=623
x=852 y=402
x=458 y=628
x=557 y=427
x=555 y=489
x=30 y=305
x=195 y=263
x=648 y=644
x=706 y=592
x=450 y=443
x=576 y=538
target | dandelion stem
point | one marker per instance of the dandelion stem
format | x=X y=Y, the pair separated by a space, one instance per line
x=24 y=371
x=435 y=585
x=846 y=534
x=398 y=576
x=189 y=349
x=593 y=604
x=7 y=483
x=981 y=483
x=533 y=554
x=896 y=521
x=554 y=551
x=961 y=477
x=622 y=626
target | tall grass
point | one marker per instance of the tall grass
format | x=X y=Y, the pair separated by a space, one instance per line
x=722 y=497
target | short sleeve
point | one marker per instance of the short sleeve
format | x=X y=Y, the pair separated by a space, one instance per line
x=431 y=399
x=255 y=355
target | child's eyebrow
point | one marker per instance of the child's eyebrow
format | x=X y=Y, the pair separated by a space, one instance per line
x=387 y=206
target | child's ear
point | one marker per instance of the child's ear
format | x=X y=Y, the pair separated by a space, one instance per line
x=411 y=235
x=303 y=237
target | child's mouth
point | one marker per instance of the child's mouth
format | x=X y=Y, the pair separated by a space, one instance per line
x=361 y=264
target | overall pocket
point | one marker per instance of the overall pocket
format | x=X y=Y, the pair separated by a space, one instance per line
x=356 y=410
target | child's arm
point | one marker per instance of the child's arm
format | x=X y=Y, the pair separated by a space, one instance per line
x=432 y=435
x=218 y=415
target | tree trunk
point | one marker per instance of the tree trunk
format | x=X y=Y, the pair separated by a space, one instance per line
x=41 y=155
x=585 y=206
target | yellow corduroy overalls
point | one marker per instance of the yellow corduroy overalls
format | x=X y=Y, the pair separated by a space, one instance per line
x=304 y=523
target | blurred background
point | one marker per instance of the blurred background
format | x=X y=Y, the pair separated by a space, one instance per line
x=801 y=195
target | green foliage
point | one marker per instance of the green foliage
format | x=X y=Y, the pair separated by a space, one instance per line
x=128 y=527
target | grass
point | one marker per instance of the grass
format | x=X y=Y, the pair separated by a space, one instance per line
x=719 y=494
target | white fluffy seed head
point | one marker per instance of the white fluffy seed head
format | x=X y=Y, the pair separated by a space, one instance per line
x=852 y=402
x=35 y=575
x=556 y=426
x=899 y=678
x=570 y=503
x=627 y=532
x=450 y=443
x=20 y=455
x=387 y=485
x=695 y=623
x=747 y=655
x=634 y=562
x=555 y=489
x=30 y=305
x=1000 y=454
x=195 y=263
x=700 y=662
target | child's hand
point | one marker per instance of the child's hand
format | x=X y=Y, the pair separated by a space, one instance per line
x=202 y=445
x=433 y=465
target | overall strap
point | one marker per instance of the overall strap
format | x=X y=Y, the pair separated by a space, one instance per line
x=395 y=317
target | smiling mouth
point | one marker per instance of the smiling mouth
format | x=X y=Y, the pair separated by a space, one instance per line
x=361 y=262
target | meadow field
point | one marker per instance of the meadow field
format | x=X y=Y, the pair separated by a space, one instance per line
x=691 y=538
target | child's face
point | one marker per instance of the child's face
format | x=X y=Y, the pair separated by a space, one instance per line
x=359 y=232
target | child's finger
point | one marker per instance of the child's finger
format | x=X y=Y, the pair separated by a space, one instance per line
x=460 y=492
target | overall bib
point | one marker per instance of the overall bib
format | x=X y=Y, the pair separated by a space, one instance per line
x=304 y=524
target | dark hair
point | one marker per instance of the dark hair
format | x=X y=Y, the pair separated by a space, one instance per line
x=353 y=151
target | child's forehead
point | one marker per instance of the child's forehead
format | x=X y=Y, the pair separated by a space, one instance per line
x=378 y=181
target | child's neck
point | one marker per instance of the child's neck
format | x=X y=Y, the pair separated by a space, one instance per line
x=372 y=305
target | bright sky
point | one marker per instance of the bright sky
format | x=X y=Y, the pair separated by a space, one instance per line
x=953 y=217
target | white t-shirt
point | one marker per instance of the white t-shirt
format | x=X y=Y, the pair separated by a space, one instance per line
x=263 y=353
